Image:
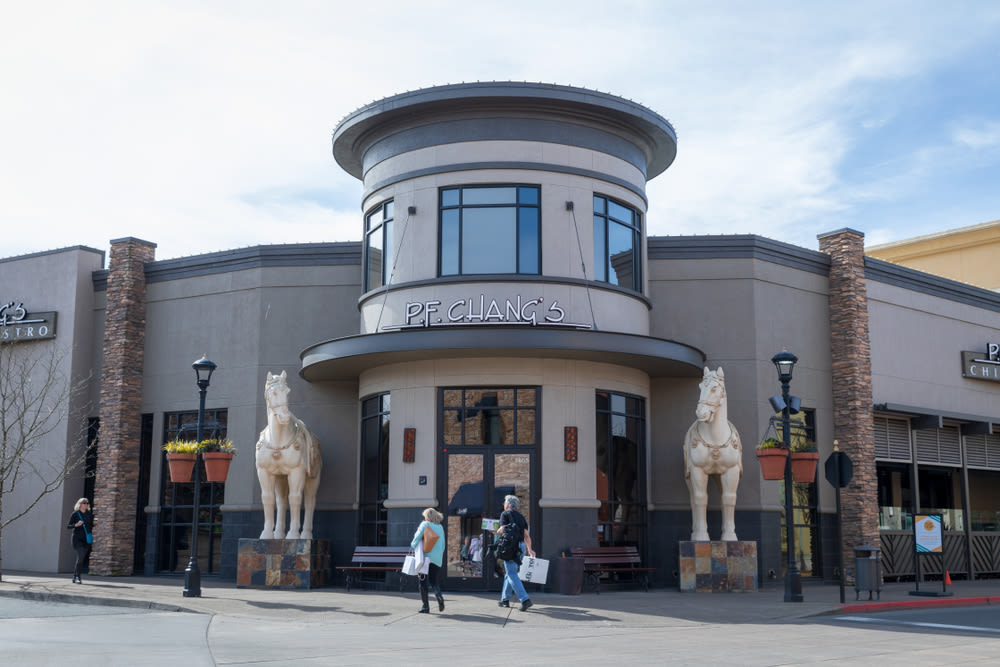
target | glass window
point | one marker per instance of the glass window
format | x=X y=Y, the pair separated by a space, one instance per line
x=374 y=471
x=490 y=229
x=620 y=470
x=617 y=244
x=804 y=510
x=492 y=416
x=177 y=500
x=378 y=246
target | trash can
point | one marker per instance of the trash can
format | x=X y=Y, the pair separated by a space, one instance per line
x=568 y=576
x=867 y=571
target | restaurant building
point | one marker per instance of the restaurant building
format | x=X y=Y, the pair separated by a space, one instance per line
x=506 y=325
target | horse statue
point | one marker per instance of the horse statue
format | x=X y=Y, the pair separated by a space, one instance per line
x=289 y=461
x=712 y=447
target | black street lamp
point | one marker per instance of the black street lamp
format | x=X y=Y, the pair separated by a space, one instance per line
x=784 y=361
x=203 y=369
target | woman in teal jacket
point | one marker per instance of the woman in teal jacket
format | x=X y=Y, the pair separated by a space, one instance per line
x=432 y=522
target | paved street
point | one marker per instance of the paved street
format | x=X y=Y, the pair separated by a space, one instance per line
x=136 y=620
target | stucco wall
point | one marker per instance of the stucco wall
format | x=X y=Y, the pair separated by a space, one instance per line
x=53 y=281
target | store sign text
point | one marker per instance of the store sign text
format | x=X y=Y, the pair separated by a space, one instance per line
x=978 y=366
x=479 y=311
x=17 y=324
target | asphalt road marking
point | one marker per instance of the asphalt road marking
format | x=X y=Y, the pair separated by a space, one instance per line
x=935 y=626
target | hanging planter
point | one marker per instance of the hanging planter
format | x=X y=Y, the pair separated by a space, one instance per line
x=217 y=454
x=772 y=459
x=804 y=461
x=217 y=465
x=181 y=466
x=181 y=456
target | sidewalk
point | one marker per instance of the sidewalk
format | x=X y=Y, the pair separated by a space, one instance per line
x=629 y=608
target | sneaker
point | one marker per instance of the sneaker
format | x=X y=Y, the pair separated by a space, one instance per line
x=525 y=605
x=503 y=603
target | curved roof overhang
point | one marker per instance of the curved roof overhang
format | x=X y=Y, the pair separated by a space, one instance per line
x=346 y=358
x=450 y=105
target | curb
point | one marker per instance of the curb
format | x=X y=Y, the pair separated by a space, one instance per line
x=917 y=604
x=67 y=598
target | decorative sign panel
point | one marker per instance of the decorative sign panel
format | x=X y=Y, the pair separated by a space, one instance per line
x=17 y=324
x=979 y=366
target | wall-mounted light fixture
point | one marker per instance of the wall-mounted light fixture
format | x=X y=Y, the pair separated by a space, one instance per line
x=569 y=444
x=409 y=445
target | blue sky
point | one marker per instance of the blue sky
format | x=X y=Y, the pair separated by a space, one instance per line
x=206 y=126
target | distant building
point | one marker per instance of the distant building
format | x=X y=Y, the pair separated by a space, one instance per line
x=968 y=254
x=506 y=313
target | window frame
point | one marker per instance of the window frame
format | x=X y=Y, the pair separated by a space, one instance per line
x=384 y=227
x=519 y=206
x=374 y=532
x=604 y=272
x=630 y=409
x=183 y=424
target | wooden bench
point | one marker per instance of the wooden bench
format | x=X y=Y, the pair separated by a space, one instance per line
x=374 y=559
x=612 y=561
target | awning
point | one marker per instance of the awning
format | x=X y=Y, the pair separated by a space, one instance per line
x=346 y=358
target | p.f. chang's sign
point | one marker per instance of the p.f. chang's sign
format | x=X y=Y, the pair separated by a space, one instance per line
x=979 y=366
x=473 y=311
x=17 y=324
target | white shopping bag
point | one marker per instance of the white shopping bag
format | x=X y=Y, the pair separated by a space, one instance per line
x=416 y=563
x=534 y=570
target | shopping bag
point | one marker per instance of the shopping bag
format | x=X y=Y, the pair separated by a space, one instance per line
x=534 y=570
x=415 y=564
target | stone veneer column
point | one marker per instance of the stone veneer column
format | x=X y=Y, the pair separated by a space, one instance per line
x=853 y=418
x=117 y=485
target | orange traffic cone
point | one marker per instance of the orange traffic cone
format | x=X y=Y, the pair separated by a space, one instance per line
x=947 y=578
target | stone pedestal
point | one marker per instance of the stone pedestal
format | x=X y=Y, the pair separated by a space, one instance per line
x=718 y=567
x=289 y=564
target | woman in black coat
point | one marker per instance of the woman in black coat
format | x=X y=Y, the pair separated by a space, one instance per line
x=81 y=522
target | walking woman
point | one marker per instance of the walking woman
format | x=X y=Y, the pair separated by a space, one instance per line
x=81 y=522
x=431 y=524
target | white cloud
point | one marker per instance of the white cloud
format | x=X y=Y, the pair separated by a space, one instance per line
x=205 y=126
x=977 y=135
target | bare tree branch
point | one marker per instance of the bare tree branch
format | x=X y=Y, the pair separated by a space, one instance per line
x=35 y=402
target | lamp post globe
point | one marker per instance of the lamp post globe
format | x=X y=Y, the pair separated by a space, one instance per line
x=203 y=369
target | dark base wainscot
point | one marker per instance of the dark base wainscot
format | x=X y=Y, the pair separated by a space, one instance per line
x=284 y=564
x=718 y=567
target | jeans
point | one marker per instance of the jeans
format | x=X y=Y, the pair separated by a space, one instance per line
x=511 y=580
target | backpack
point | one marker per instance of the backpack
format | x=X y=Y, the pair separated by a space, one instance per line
x=508 y=546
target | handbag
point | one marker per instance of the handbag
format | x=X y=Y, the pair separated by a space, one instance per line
x=90 y=535
x=430 y=539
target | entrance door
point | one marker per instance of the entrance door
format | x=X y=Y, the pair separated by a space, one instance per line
x=487 y=452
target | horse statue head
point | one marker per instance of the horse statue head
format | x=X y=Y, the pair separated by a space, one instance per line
x=712 y=399
x=276 y=392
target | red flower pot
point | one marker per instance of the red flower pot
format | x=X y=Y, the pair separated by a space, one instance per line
x=217 y=465
x=772 y=462
x=181 y=466
x=804 y=466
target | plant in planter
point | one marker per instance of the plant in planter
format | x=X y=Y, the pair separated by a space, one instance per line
x=805 y=457
x=772 y=455
x=217 y=454
x=181 y=457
